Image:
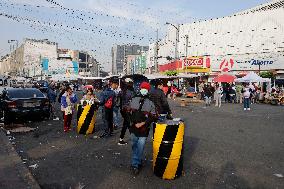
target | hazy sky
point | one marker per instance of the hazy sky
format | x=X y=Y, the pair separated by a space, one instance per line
x=95 y=25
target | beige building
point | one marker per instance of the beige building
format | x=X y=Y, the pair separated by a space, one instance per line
x=26 y=59
x=5 y=65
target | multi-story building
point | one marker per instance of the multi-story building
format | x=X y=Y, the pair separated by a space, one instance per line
x=250 y=40
x=42 y=58
x=5 y=65
x=120 y=53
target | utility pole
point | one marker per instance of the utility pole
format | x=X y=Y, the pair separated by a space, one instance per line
x=86 y=63
x=186 y=45
x=177 y=40
x=156 y=51
x=186 y=52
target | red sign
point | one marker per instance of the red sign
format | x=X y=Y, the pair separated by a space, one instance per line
x=226 y=65
x=193 y=61
x=176 y=65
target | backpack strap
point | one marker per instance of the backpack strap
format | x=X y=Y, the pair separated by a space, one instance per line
x=141 y=102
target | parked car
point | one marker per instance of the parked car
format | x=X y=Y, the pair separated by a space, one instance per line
x=23 y=104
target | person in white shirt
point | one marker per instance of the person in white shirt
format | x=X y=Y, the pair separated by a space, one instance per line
x=246 y=93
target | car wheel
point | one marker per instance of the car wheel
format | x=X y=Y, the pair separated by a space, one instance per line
x=7 y=118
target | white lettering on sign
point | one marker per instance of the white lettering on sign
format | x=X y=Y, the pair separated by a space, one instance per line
x=193 y=62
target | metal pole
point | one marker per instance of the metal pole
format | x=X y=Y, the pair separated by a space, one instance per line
x=177 y=39
x=186 y=44
x=156 y=52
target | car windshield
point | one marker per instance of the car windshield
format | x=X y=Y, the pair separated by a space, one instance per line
x=25 y=93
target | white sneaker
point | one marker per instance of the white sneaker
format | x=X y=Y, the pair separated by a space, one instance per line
x=245 y=109
x=248 y=109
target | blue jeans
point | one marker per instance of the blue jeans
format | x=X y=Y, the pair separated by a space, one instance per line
x=138 y=144
x=246 y=102
x=115 y=116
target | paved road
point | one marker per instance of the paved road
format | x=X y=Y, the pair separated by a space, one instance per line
x=224 y=148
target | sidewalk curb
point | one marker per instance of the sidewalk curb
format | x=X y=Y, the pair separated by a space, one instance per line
x=15 y=160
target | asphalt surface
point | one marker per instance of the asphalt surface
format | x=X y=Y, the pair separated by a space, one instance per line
x=224 y=148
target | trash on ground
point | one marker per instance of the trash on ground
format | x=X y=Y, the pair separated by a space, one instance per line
x=278 y=175
x=34 y=166
x=56 y=119
x=22 y=130
x=116 y=153
x=80 y=186
x=95 y=137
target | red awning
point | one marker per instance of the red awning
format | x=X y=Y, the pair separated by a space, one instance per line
x=224 y=78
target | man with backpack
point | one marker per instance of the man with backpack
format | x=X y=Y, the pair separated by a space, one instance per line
x=142 y=115
x=107 y=100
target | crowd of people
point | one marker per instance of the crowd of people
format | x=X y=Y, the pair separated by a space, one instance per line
x=138 y=110
x=246 y=93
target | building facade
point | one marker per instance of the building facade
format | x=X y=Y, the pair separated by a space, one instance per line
x=42 y=58
x=251 y=40
x=119 y=56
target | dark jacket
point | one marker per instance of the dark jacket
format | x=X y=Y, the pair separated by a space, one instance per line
x=105 y=95
x=142 y=110
x=60 y=95
x=51 y=95
x=208 y=91
x=158 y=97
x=126 y=97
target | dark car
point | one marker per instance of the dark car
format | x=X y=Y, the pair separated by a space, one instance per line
x=24 y=104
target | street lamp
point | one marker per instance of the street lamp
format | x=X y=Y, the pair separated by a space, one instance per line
x=177 y=38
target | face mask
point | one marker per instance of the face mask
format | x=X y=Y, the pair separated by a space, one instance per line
x=144 y=92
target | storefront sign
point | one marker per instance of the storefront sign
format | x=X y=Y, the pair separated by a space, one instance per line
x=193 y=61
x=226 y=65
x=261 y=62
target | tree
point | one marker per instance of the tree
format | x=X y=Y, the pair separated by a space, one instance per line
x=172 y=73
x=266 y=74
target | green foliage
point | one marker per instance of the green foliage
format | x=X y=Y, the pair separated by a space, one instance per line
x=266 y=74
x=171 y=73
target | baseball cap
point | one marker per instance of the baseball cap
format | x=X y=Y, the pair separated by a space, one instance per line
x=128 y=80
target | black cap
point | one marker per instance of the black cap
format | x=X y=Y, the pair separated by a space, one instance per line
x=158 y=82
x=114 y=80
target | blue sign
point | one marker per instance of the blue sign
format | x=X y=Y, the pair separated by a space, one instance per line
x=76 y=67
x=261 y=62
x=44 y=64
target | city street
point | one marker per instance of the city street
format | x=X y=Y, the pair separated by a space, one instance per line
x=224 y=148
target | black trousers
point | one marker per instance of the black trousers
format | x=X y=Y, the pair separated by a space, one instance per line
x=126 y=123
x=108 y=120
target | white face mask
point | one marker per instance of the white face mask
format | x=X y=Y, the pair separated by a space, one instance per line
x=143 y=92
